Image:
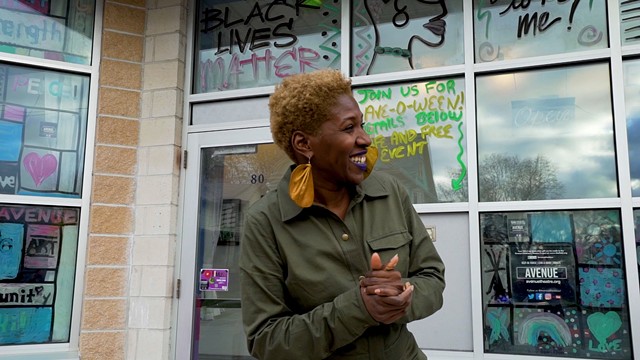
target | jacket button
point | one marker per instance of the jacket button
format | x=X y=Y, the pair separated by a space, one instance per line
x=345 y=237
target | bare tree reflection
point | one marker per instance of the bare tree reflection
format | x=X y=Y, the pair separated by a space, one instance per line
x=509 y=178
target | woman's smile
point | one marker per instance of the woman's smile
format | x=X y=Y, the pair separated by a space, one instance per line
x=360 y=161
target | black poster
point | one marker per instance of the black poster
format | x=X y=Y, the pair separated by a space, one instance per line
x=543 y=273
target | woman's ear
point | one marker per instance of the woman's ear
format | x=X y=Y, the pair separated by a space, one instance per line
x=301 y=147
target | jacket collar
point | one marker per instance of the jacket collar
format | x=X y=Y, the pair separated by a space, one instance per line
x=372 y=188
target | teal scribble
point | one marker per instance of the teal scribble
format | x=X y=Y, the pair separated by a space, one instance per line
x=335 y=30
x=329 y=49
x=498 y=320
x=484 y=14
x=456 y=184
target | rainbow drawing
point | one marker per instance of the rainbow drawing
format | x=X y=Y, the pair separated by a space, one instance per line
x=538 y=323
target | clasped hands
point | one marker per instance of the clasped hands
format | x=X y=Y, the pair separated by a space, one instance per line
x=384 y=294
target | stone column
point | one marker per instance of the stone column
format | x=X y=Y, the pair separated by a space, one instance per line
x=156 y=211
x=105 y=304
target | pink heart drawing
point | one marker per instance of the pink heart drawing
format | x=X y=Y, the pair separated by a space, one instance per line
x=40 y=168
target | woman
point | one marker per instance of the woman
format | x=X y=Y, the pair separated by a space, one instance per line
x=314 y=285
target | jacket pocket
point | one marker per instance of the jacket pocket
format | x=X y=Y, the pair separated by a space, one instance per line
x=390 y=241
x=391 y=244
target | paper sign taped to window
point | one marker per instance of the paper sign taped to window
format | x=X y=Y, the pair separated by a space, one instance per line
x=214 y=279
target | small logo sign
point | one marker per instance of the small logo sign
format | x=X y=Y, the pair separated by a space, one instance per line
x=48 y=129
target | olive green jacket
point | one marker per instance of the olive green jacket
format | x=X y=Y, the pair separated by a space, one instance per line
x=300 y=269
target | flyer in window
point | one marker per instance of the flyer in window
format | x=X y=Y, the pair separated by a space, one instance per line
x=543 y=273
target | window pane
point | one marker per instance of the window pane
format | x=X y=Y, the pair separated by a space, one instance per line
x=390 y=36
x=546 y=134
x=43 y=118
x=629 y=23
x=632 y=101
x=553 y=284
x=56 y=29
x=244 y=44
x=38 y=248
x=232 y=179
x=419 y=130
x=506 y=29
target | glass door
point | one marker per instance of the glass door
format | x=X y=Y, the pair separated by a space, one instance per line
x=227 y=172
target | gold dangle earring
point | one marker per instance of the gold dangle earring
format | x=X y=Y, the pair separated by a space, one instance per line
x=371 y=158
x=301 y=185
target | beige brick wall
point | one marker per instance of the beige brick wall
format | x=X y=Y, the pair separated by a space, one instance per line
x=106 y=297
x=127 y=300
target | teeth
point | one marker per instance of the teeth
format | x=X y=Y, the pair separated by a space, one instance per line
x=359 y=159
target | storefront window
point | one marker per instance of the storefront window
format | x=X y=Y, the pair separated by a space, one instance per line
x=632 y=101
x=390 y=36
x=245 y=44
x=419 y=130
x=546 y=134
x=43 y=117
x=505 y=29
x=49 y=29
x=554 y=284
x=38 y=247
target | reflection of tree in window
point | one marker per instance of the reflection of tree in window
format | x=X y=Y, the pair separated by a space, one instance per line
x=509 y=178
x=598 y=237
x=448 y=194
x=494 y=228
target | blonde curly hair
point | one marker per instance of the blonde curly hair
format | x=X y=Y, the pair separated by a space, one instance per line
x=304 y=102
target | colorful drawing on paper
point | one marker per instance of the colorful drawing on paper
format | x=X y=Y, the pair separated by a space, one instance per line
x=42 y=131
x=542 y=330
x=598 y=237
x=601 y=287
x=37 y=255
x=11 y=239
x=25 y=325
x=495 y=274
x=568 y=298
x=498 y=323
x=607 y=335
x=40 y=168
x=551 y=227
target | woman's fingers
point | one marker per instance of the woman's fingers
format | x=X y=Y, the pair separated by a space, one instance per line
x=376 y=262
x=391 y=265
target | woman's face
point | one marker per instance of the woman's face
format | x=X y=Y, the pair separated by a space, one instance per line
x=340 y=146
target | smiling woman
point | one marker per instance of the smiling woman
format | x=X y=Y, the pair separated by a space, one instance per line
x=332 y=220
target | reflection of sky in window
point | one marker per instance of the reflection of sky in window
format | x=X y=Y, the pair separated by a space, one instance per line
x=580 y=146
x=632 y=101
